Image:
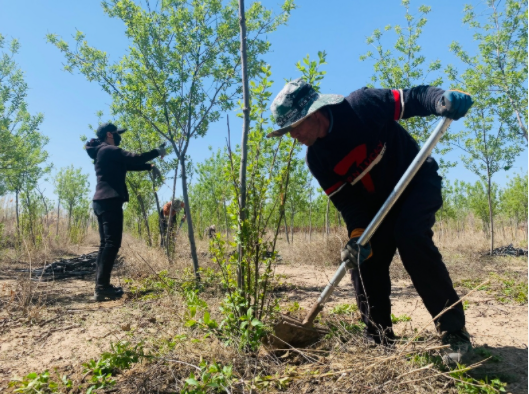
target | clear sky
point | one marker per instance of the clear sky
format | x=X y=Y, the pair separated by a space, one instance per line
x=69 y=102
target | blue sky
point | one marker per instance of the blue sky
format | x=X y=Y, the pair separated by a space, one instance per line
x=69 y=102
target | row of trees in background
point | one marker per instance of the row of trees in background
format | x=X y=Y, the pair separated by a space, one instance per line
x=182 y=72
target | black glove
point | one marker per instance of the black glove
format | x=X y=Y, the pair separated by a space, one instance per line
x=454 y=104
x=156 y=172
x=353 y=251
x=161 y=150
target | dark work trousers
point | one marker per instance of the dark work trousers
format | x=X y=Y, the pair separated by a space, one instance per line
x=408 y=228
x=110 y=219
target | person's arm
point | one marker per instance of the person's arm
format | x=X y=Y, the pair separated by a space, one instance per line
x=135 y=161
x=139 y=167
x=380 y=106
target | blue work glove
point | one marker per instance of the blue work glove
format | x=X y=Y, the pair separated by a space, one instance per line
x=355 y=253
x=454 y=104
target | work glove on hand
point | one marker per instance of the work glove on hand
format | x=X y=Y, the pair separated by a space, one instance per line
x=156 y=172
x=454 y=104
x=355 y=253
x=161 y=150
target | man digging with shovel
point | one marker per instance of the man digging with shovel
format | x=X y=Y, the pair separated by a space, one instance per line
x=358 y=151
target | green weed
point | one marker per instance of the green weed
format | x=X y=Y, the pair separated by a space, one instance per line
x=344 y=309
x=401 y=318
x=294 y=307
x=465 y=384
x=212 y=376
x=510 y=289
x=152 y=286
x=40 y=383
x=238 y=326
x=468 y=385
x=472 y=284
x=343 y=329
x=121 y=357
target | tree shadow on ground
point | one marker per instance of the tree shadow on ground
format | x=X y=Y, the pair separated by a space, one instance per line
x=507 y=363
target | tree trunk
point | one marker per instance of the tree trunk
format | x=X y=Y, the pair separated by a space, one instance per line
x=191 y=233
x=226 y=219
x=16 y=211
x=292 y=227
x=327 y=218
x=170 y=217
x=58 y=216
x=310 y=220
x=158 y=209
x=286 y=228
x=491 y=215
x=145 y=218
x=69 y=217
x=30 y=219
x=244 y=138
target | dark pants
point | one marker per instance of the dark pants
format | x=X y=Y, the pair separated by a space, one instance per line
x=408 y=228
x=110 y=219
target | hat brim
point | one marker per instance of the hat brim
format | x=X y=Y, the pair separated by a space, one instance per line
x=323 y=100
x=121 y=131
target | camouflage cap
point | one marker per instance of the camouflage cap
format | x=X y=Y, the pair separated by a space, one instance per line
x=295 y=102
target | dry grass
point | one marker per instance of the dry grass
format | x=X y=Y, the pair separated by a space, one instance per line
x=343 y=362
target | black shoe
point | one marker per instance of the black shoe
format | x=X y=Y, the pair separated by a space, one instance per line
x=460 y=350
x=111 y=292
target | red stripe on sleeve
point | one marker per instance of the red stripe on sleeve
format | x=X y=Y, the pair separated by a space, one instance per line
x=396 y=96
x=334 y=187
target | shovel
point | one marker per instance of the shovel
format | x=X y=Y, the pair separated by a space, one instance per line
x=293 y=332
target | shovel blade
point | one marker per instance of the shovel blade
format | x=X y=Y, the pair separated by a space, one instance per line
x=291 y=331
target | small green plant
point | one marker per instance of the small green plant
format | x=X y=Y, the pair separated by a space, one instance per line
x=342 y=329
x=40 y=383
x=423 y=359
x=466 y=305
x=152 y=286
x=212 y=376
x=344 y=309
x=240 y=327
x=294 y=307
x=101 y=374
x=472 y=284
x=195 y=305
x=510 y=289
x=401 y=318
x=468 y=385
x=121 y=357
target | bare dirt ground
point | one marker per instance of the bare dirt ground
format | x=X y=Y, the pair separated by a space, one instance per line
x=63 y=328
x=499 y=327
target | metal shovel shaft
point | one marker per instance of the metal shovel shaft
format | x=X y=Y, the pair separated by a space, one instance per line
x=415 y=165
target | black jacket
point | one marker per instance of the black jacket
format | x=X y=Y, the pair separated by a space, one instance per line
x=111 y=164
x=366 y=152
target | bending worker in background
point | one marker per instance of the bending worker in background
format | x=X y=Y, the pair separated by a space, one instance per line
x=168 y=223
x=358 y=151
x=111 y=165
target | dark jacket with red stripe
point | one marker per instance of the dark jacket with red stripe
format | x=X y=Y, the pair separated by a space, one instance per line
x=366 y=152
